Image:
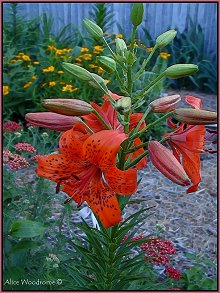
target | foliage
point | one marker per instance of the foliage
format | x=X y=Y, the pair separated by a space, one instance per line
x=102 y=15
x=196 y=277
x=188 y=47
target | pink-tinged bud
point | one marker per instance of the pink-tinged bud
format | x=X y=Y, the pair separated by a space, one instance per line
x=69 y=107
x=167 y=164
x=195 y=116
x=51 y=120
x=164 y=104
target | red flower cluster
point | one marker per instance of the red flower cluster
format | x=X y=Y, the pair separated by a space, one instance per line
x=22 y=146
x=158 y=250
x=14 y=161
x=173 y=273
x=11 y=126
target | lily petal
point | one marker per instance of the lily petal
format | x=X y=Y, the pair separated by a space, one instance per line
x=122 y=182
x=71 y=142
x=194 y=102
x=57 y=167
x=101 y=148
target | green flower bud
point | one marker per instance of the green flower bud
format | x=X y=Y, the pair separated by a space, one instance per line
x=123 y=105
x=108 y=64
x=137 y=12
x=180 y=70
x=165 y=38
x=77 y=71
x=99 y=80
x=93 y=28
x=120 y=46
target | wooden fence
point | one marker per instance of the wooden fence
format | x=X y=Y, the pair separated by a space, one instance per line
x=158 y=17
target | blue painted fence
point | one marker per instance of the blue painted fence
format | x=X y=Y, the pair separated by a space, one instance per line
x=158 y=17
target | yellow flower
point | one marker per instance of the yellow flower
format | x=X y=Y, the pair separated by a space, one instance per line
x=97 y=49
x=27 y=84
x=119 y=36
x=84 y=50
x=36 y=62
x=78 y=59
x=100 y=70
x=20 y=54
x=107 y=80
x=92 y=65
x=26 y=58
x=49 y=69
x=52 y=83
x=60 y=71
x=34 y=77
x=69 y=88
x=165 y=55
x=87 y=56
x=5 y=90
x=51 y=48
x=150 y=49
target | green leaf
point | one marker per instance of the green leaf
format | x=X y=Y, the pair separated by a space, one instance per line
x=23 y=245
x=26 y=229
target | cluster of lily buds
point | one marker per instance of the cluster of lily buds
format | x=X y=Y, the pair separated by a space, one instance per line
x=167 y=164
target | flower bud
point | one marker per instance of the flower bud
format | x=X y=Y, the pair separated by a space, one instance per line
x=120 y=46
x=164 y=104
x=51 y=120
x=69 y=107
x=180 y=70
x=123 y=105
x=93 y=28
x=195 y=116
x=167 y=164
x=108 y=64
x=99 y=80
x=137 y=12
x=165 y=38
x=77 y=71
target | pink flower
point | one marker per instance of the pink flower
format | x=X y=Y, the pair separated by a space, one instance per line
x=22 y=146
x=14 y=161
x=11 y=126
x=173 y=273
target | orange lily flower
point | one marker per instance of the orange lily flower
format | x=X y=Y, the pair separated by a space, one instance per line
x=108 y=113
x=188 y=141
x=86 y=169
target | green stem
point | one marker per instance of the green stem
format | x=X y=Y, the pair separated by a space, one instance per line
x=113 y=54
x=136 y=160
x=150 y=125
x=145 y=90
x=133 y=38
x=144 y=64
x=89 y=129
x=137 y=147
x=142 y=119
x=101 y=119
